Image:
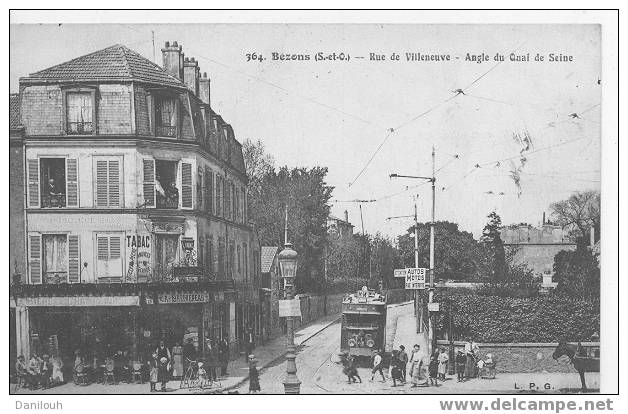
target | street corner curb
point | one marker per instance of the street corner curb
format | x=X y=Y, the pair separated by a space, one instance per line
x=273 y=360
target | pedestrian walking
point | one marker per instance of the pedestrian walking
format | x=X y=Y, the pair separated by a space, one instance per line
x=433 y=369
x=223 y=348
x=211 y=360
x=395 y=368
x=403 y=361
x=253 y=375
x=177 y=360
x=470 y=349
x=377 y=366
x=416 y=366
x=443 y=359
x=165 y=359
x=461 y=362
x=153 y=373
x=250 y=342
x=349 y=368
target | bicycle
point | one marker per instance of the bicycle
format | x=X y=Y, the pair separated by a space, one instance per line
x=195 y=376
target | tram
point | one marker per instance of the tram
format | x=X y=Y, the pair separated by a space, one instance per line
x=363 y=329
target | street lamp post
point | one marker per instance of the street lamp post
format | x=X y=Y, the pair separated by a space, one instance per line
x=288 y=260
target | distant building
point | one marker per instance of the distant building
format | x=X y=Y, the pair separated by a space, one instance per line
x=536 y=247
x=272 y=283
x=338 y=228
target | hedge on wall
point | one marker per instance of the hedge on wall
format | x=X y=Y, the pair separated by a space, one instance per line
x=498 y=319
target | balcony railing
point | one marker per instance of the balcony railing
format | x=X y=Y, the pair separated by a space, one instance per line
x=171 y=202
x=53 y=278
x=166 y=131
x=52 y=201
x=80 y=128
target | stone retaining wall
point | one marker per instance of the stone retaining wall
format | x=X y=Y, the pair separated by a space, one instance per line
x=524 y=357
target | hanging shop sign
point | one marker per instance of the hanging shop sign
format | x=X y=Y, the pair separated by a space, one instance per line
x=138 y=251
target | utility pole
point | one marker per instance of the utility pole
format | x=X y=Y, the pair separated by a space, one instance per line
x=431 y=337
x=418 y=310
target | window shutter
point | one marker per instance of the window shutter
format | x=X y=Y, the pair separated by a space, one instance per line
x=114 y=183
x=200 y=251
x=200 y=190
x=71 y=181
x=209 y=191
x=33 y=182
x=34 y=258
x=150 y=106
x=186 y=185
x=101 y=183
x=149 y=182
x=74 y=259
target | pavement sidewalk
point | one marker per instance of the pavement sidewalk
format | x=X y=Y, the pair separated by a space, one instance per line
x=238 y=370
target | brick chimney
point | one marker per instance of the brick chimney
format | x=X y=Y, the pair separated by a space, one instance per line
x=173 y=59
x=191 y=74
x=204 y=89
x=346 y=216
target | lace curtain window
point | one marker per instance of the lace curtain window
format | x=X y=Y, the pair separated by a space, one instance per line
x=55 y=253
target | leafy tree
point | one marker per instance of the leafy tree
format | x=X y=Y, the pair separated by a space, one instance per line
x=306 y=195
x=258 y=163
x=494 y=263
x=579 y=212
x=456 y=251
x=385 y=259
x=577 y=274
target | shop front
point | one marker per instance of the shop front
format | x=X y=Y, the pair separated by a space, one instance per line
x=178 y=317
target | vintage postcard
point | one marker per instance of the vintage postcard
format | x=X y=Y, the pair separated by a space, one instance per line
x=356 y=206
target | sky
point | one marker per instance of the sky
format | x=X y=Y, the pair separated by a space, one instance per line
x=365 y=119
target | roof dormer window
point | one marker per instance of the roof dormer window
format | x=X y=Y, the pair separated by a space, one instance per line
x=79 y=113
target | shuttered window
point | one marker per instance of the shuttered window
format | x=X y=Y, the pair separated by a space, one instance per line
x=109 y=255
x=34 y=258
x=148 y=185
x=219 y=181
x=199 y=189
x=209 y=191
x=32 y=169
x=74 y=259
x=227 y=197
x=186 y=185
x=71 y=182
x=108 y=184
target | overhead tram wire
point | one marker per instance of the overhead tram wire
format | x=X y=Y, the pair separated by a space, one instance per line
x=304 y=97
x=457 y=92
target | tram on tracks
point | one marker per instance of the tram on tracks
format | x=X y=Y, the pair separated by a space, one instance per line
x=363 y=328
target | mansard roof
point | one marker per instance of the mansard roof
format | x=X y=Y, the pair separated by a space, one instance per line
x=116 y=62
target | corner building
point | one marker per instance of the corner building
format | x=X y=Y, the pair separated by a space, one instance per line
x=136 y=210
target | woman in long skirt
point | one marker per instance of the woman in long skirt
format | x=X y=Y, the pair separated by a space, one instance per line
x=253 y=375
